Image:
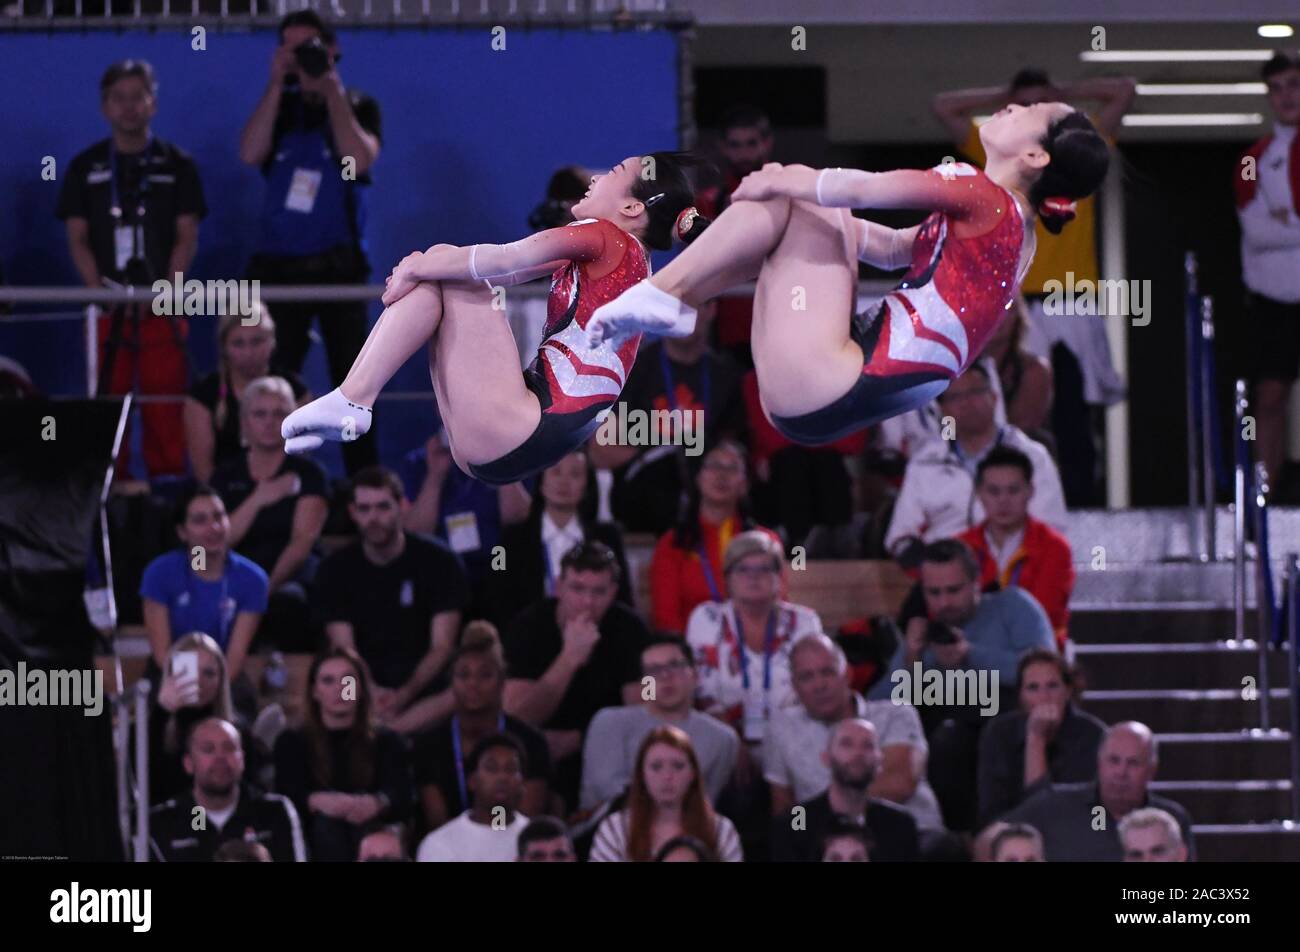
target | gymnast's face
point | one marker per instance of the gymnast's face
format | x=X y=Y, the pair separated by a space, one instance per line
x=1017 y=131
x=610 y=194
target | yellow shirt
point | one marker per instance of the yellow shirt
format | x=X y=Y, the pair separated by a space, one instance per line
x=1074 y=249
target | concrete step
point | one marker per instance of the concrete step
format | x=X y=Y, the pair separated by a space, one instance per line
x=1248 y=842
x=1153 y=622
x=1145 y=582
x=1235 y=755
x=1205 y=664
x=1185 y=711
x=1229 y=801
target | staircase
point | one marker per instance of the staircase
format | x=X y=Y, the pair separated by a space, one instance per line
x=1155 y=642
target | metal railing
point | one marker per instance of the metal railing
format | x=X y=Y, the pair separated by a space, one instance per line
x=1205 y=466
x=1292 y=585
x=131 y=717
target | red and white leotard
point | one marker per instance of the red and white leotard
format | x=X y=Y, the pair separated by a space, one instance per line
x=967 y=265
x=605 y=262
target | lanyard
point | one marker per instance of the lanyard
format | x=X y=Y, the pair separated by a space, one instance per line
x=460 y=755
x=549 y=585
x=708 y=573
x=768 y=638
x=666 y=368
x=114 y=202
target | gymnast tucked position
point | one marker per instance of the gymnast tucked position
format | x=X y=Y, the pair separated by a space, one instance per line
x=503 y=425
x=822 y=372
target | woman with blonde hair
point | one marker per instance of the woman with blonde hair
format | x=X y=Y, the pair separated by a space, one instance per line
x=195 y=686
x=665 y=802
x=245 y=352
x=278 y=505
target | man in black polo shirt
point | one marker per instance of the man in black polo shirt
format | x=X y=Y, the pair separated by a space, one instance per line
x=571 y=655
x=315 y=143
x=395 y=598
x=131 y=204
x=220 y=808
x=853 y=754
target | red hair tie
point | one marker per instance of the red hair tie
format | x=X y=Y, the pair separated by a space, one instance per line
x=1059 y=207
x=684 y=222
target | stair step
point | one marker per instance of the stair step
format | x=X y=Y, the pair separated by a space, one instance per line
x=1233 y=801
x=1206 y=664
x=1248 y=842
x=1153 y=622
x=1177 y=711
x=1131 y=583
x=1237 y=755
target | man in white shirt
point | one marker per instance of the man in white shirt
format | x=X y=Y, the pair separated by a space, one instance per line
x=792 y=759
x=1267 y=185
x=488 y=832
x=937 y=499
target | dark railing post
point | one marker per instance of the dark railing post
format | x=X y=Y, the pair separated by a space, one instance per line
x=1293 y=645
x=1240 y=408
x=1191 y=375
x=1207 y=434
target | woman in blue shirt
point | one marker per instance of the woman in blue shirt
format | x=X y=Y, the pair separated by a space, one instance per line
x=203 y=586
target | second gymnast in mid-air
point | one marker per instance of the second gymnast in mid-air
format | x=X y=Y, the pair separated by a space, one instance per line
x=503 y=425
x=822 y=372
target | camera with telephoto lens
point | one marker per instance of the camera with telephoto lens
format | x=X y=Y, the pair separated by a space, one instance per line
x=313 y=57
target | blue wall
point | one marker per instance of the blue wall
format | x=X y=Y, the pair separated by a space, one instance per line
x=471 y=136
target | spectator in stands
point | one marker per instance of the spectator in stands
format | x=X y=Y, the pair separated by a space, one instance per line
x=546 y=840
x=846 y=842
x=1066 y=814
x=1151 y=835
x=187 y=696
x=686 y=568
x=966 y=631
x=562 y=515
x=666 y=800
x=742 y=646
x=792 y=753
x=1083 y=371
x=489 y=830
x=229 y=809
x=745 y=145
x=478 y=677
x=341 y=771
x=464 y=513
x=302 y=131
x=798 y=488
x=240 y=851
x=685 y=849
x=1012 y=546
x=1268 y=209
x=683 y=374
x=1016 y=843
x=1047 y=739
x=853 y=755
x=278 y=505
x=384 y=845
x=202 y=586
x=615 y=735
x=1025 y=378
x=571 y=655
x=395 y=598
x=131 y=204
x=245 y=348
x=565 y=189
x=938 y=497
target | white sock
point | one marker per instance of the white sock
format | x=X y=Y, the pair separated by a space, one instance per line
x=331 y=417
x=642 y=308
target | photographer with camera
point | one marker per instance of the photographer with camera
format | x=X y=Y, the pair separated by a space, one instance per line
x=971 y=631
x=131 y=204
x=315 y=143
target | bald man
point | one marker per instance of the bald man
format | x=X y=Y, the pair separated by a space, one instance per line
x=219 y=807
x=853 y=756
x=1080 y=821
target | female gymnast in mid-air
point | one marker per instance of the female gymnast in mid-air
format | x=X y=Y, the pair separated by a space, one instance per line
x=823 y=373
x=503 y=425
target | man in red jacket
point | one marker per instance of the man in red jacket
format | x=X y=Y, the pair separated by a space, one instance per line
x=1012 y=547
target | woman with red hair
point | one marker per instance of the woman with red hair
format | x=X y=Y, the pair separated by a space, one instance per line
x=666 y=801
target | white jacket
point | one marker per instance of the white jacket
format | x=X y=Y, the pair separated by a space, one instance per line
x=938 y=498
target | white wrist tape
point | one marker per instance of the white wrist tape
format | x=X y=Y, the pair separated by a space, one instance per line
x=473 y=270
x=820 y=178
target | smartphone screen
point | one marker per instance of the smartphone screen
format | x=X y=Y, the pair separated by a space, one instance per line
x=185 y=666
